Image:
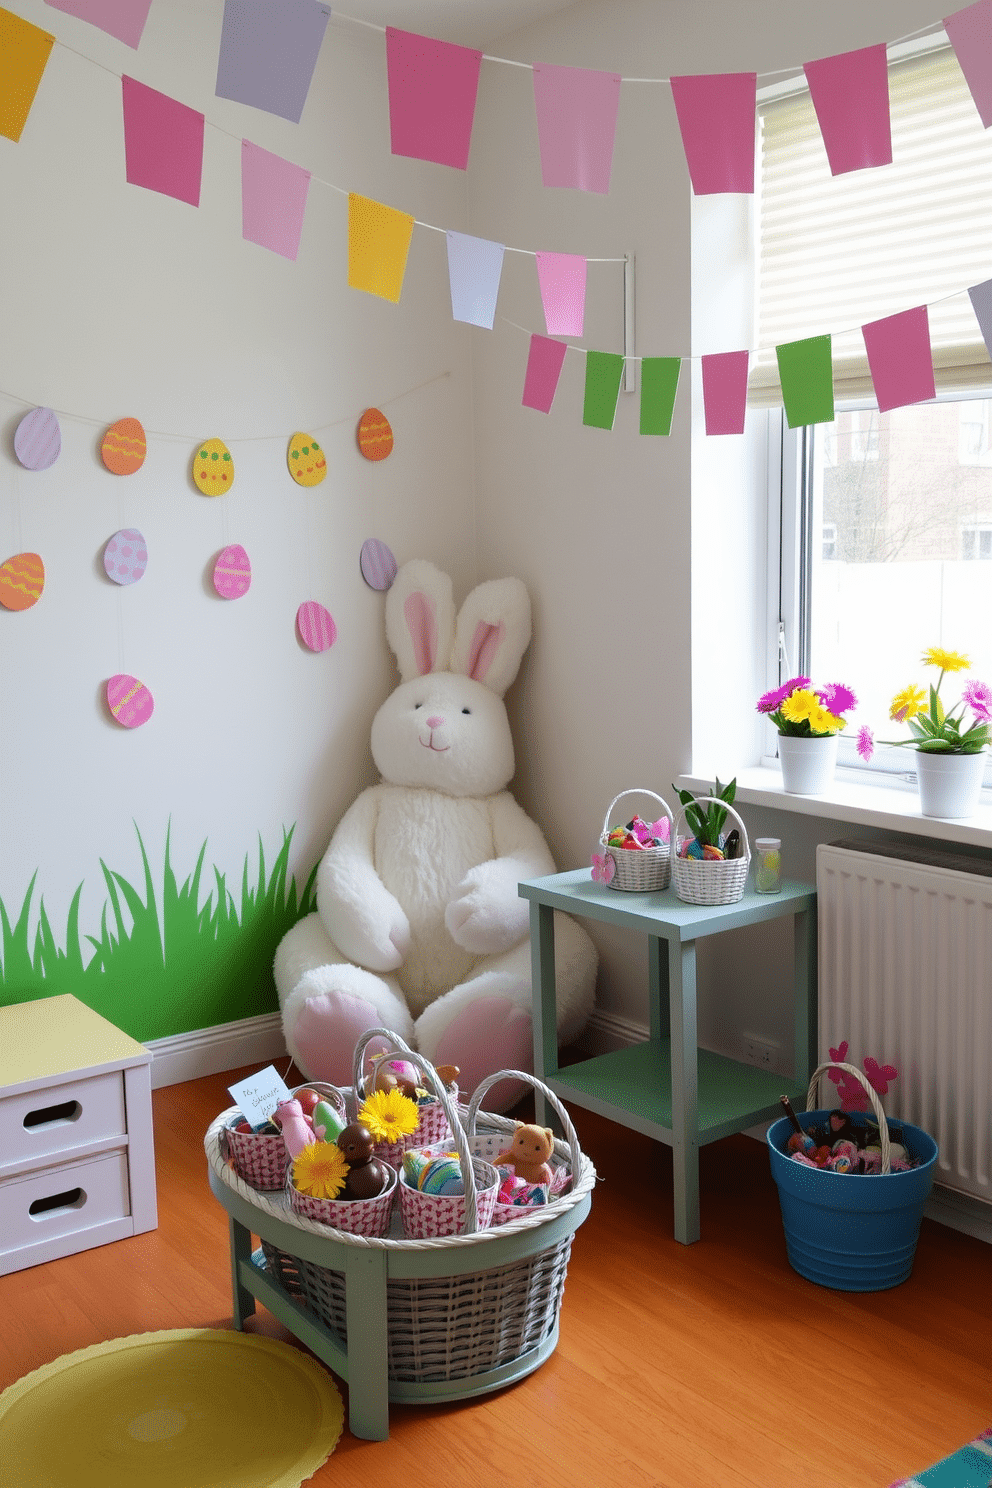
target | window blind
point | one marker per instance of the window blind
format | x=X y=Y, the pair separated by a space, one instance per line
x=838 y=251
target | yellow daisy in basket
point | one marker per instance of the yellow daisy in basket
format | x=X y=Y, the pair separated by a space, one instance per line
x=320 y=1170
x=389 y=1115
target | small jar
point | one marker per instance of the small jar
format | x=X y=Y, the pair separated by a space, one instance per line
x=768 y=865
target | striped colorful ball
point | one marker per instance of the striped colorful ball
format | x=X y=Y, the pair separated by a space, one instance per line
x=129 y=701
x=38 y=439
x=232 y=572
x=22 y=578
x=124 y=447
x=377 y=563
x=125 y=557
x=317 y=629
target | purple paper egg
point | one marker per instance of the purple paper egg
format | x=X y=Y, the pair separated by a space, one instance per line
x=38 y=439
x=378 y=564
x=232 y=572
x=317 y=630
x=129 y=701
x=126 y=556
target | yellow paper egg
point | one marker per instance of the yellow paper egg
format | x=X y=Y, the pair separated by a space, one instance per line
x=213 y=468
x=306 y=460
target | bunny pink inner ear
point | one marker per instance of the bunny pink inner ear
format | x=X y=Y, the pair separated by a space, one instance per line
x=485 y=645
x=421 y=622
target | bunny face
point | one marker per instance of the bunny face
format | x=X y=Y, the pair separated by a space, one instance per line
x=444 y=732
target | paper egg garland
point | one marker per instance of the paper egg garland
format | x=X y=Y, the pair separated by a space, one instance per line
x=38 y=439
x=306 y=460
x=375 y=437
x=124 y=447
x=232 y=572
x=125 y=557
x=377 y=563
x=22 y=578
x=129 y=701
x=317 y=630
x=213 y=468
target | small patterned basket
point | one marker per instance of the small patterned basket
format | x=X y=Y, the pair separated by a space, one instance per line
x=698 y=881
x=431 y=1128
x=260 y=1158
x=496 y=1132
x=642 y=871
x=353 y=1216
x=426 y=1216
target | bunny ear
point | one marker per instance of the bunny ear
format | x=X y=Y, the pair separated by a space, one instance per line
x=420 y=618
x=492 y=633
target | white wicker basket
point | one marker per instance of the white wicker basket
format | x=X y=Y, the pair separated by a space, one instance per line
x=489 y=1134
x=432 y=1125
x=698 y=881
x=643 y=871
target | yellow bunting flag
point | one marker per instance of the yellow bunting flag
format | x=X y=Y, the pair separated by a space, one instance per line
x=378 y=244
x=24 y=52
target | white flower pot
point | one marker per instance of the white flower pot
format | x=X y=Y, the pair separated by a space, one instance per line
x=949 y=783
x=807 y=764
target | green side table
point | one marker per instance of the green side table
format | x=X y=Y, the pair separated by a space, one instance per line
x=666 y=1086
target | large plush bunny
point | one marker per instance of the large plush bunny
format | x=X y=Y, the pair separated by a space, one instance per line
x=419 y=926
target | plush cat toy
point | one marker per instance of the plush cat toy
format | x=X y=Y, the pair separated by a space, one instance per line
x=419 y=927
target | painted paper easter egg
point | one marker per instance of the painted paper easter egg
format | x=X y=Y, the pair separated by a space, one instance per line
x=38 y=439
x=213 y=468
x=232 y=572
x=22 y=579
x=123 y=449
x=375 y=437
x=317 y=629
x=306 y=460
x=126 y=556
x=378 y=564
x=129 y=701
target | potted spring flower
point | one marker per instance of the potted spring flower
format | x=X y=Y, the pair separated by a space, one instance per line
x=809 y=720
x=950 y=758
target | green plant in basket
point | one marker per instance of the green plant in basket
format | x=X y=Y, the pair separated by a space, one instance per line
x=705 y=819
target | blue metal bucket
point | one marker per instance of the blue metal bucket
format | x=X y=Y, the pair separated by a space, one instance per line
x=854 y=1233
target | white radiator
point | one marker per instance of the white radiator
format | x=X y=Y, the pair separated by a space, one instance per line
x=905 y=975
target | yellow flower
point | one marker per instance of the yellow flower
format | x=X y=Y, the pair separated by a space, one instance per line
x=320 y=1170
x=800 y=705
x=947 y=661
x=389 y=1115
x=908 y=703
x=822 y=721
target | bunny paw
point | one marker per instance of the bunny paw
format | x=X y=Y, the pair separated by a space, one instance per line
x=324 y=1026
x=490 y=1033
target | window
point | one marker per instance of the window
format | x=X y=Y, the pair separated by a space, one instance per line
x=976 y=540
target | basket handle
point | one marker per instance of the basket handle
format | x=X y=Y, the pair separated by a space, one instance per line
x=727 y=807
x=635 y=790
x=322 y=1088
x=574 y=1151
x=852 y=1069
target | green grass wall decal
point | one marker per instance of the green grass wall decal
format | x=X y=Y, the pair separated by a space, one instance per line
x=163 y=963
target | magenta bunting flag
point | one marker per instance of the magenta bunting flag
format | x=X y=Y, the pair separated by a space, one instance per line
x=163 y=142
x=432 y=92
x=562 y=277
x=544 y=362
x=717 y=119
x=123 y=19
x=900 y=359
x=576 y=125
x=273 y=200
x=970 y=34
x=850 y=93
x=725 y=391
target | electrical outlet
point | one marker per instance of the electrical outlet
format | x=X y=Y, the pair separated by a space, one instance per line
x=761 y=1051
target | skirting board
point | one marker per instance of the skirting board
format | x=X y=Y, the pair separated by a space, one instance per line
x=208 y=1051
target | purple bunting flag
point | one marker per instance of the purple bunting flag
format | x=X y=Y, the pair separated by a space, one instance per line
x=562 y=277
x=163 y=142
x=268 y=51
x=124 y=19
x=970 y=34
x=725 y=391
x=474 y=269
x=717 y=119
x=900 y=359
x=544 y=363
x=432 y=92
x=981 y=302
x=850 y=94
x=576 y=125
x=273 y=200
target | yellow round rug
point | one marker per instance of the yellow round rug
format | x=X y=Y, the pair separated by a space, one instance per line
x=184 y=1408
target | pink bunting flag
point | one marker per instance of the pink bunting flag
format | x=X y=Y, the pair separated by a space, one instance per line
x=576 y=125
x=273 y=200
x=850 y=93
x=725 y=391
x=716 y=117
x=432 y=92
x=900 y=358
x=163 y=142
x=124 y=19
x=544 y=363
x=970 y=34
x=562 y=277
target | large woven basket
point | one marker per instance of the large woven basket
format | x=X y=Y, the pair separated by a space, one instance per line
x=489 y=1134
x=702 y=882
x=432 y=1125
x=639 y=871
x=261 y=1157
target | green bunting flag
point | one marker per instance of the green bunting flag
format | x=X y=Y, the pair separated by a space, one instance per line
x=659 y=384
x=806 y=375
x=604 y=370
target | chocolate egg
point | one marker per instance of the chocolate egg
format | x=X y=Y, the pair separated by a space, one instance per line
x=22 y=578
x=125 y=557
x=213 y=468
x=317 y=629
x=306 y=460
x=377 y=563
x=375 y=437
x=123 y=449
x=38 y=439
x=232 y=572
x=129 y=701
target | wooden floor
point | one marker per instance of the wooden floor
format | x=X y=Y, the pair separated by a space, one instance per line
x=677 y=1367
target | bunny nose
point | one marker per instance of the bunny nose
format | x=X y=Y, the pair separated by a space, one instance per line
x=435 y=721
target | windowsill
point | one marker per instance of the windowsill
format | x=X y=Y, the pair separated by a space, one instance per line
x=893 y=807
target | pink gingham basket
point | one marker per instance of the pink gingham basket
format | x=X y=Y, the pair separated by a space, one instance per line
x=496 y=1133
x=426 y=1216
x=353 y=1216
x=433 y=1124
x=260 y=1158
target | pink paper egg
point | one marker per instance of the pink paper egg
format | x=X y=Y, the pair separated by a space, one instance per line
x=38 y=439
x=378 y=564
x=232 y=572
x=129 y=701
x=317 y=629
x=126 y=556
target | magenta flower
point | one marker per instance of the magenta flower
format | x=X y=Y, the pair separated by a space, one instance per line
x=879 y=1075
x=979 y=699
x=770 y=702
x=839 y=1056
x=837 y=698
x=866 y=743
